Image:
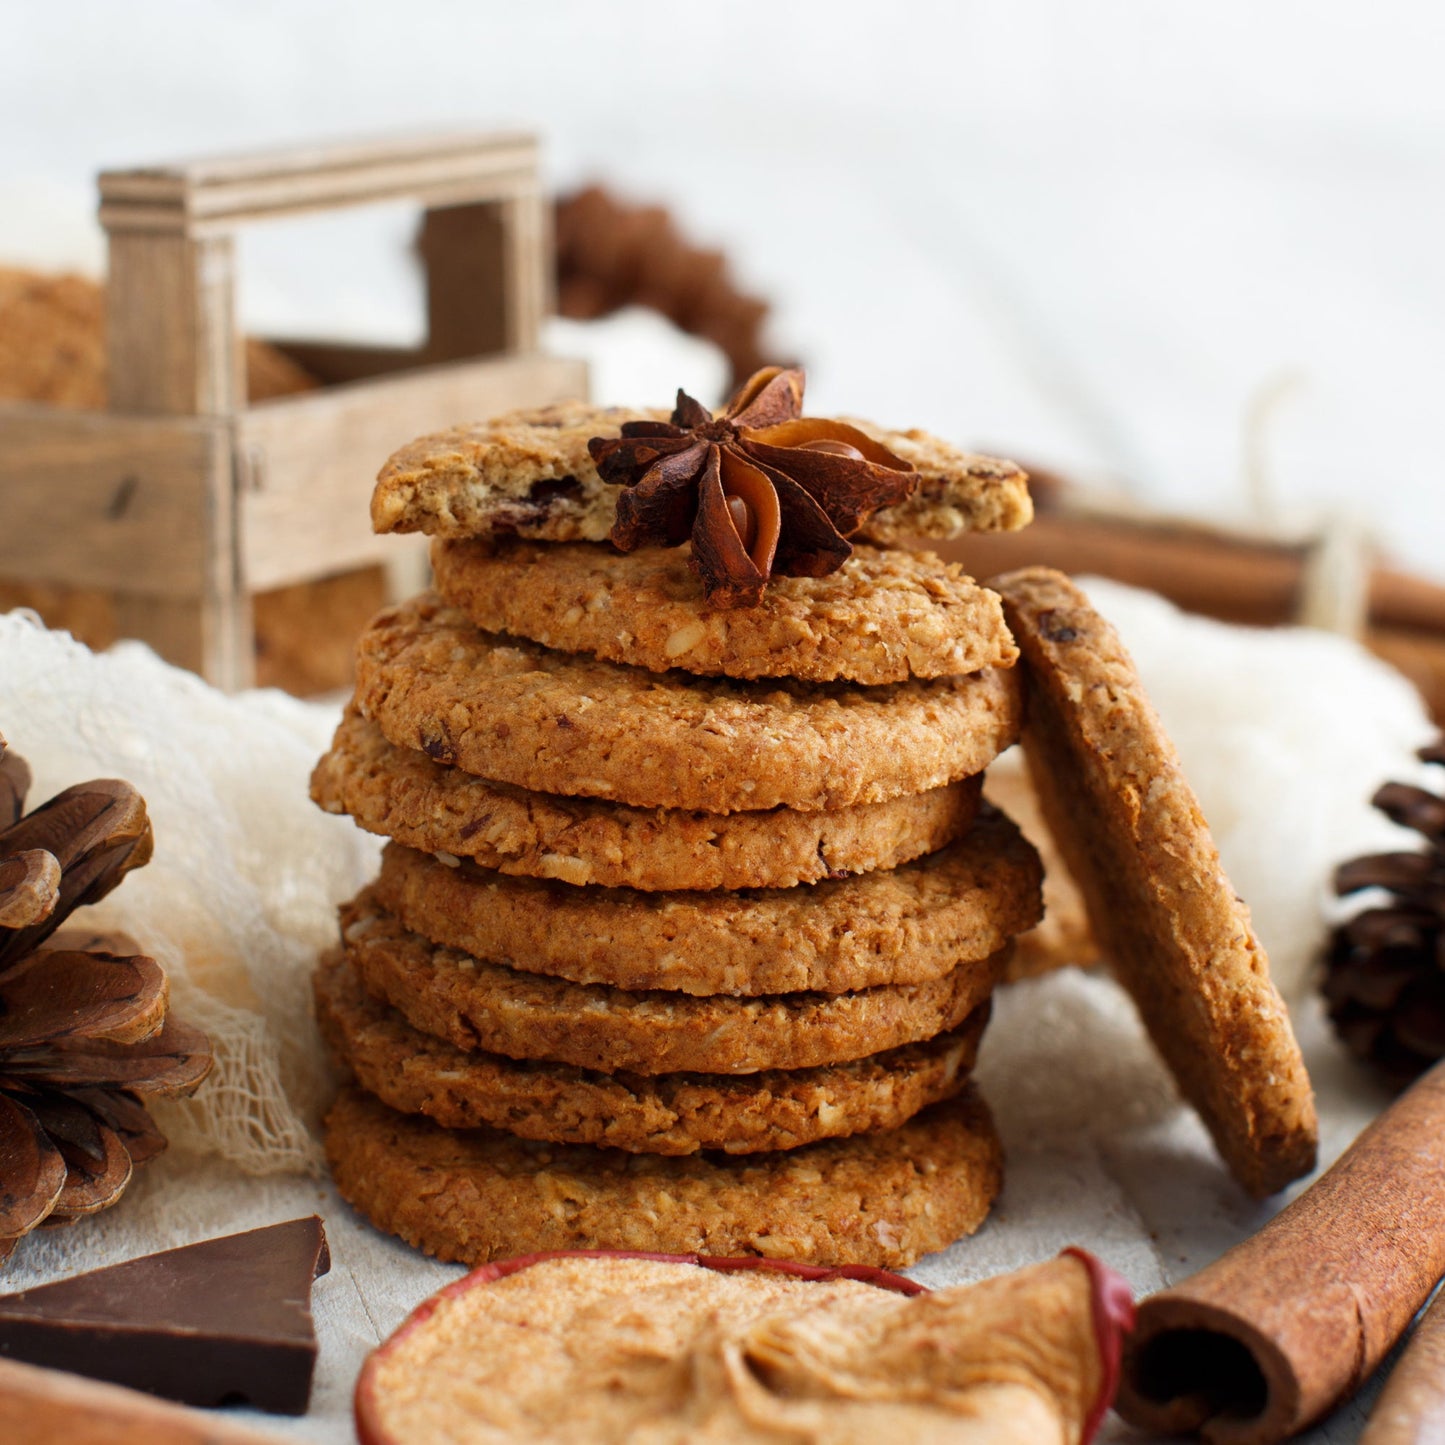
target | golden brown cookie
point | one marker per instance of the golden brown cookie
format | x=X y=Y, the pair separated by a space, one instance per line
x=900 y=926
x=661 y=1114
x=883 y=616
x=475 y=1004
x=474 y=1196
x=529 y=474
x=522 y=714
x=1165 y=915
x=400 y=793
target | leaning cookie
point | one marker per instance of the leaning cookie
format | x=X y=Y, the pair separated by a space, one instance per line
x=413 y=1073
x=883 y=616
x=474 y=1003
x=479 y=1195
x=1165 y=915
x=401 y=793
x=529 y=474
x=903 y=925
x=557 y=723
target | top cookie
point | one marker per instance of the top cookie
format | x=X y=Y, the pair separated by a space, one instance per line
x=1131 y=832
x=529 y=474
x=883 y=616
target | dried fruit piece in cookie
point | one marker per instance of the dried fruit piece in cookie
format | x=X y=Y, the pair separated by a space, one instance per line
x=529 y=474
x=652 y=1114
x=478 y=1195
x=748 y=1349
x=884 y=616
x=473 y=1003
x=902 y=925
x=1166 y=918
x=400 y=793
x=522 y=714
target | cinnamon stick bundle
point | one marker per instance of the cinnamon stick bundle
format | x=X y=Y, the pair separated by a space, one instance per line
x=1283 y=1327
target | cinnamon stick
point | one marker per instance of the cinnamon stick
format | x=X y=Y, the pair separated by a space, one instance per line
x=1411 y=1407
x=41 y=1407
x=1202 y=569
x=1278 y=1331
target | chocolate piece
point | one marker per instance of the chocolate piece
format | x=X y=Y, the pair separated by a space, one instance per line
x=226 y=1321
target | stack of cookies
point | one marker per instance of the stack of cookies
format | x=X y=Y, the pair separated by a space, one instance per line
x=685 y=935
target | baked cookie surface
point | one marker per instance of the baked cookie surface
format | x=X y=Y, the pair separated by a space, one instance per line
x=663 y=1114
x=475 y=1004
x=1179 y=939
x=906 y=925
x=401 y=793
x=550 y=722
x=529 y=474
x=883 y=616
x=474 y=1196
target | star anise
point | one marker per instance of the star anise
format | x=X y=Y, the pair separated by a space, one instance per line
x=84 y=1036
x=759 y=488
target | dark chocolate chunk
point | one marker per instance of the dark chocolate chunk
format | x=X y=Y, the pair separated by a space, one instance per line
x=226 y=1321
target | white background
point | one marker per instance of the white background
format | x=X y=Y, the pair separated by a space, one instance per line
x=1100 y=236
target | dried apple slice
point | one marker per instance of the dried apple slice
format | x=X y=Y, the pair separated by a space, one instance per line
x=598 y=1346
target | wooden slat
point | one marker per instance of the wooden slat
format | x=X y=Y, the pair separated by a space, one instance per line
x=465 y=254
x=529 y=267
x=171 y=338
x=47 y=1407
x=334 y=362
x=309 y=461
x=96 y=500
x=216 y=193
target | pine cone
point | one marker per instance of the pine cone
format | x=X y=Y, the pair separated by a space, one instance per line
x=84 y=1037
x=1385 y=967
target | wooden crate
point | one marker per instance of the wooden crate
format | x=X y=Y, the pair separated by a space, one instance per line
x=181 y=499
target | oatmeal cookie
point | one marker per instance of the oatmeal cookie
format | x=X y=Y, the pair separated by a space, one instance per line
x=905 y=925
x=659 y=1114
x=529 y=474
x=473 y=1196
x=400 y=793
x=476 y=1004
x=884 y=616
x=1166 y=917
x=519 y=713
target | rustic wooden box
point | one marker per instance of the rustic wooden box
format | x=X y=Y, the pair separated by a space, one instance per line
x=182 y=500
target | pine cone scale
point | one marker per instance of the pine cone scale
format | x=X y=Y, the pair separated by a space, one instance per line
x=32 y=1171
x=68 y=995
x=97 y=832
x=98 y=1165
x=171 y=1062
x=1384 y=983
x=29 y=888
